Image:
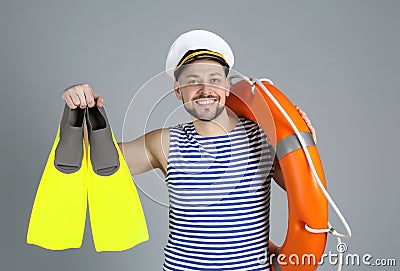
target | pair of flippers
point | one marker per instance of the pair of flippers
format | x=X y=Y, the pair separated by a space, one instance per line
x=74 y=177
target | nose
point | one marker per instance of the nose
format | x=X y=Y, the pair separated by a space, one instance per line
x=205 y=89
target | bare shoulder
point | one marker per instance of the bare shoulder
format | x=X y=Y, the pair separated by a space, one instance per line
x=157 y=138
x=157 y=143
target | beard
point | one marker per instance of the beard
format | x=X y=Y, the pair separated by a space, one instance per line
x=204 y=113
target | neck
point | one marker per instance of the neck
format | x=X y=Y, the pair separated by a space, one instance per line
x=221 y=125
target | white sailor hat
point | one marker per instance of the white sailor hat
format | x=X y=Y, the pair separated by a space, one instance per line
x=197 y=44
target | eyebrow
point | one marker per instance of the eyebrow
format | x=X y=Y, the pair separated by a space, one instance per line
x=215 y=73
x=192 y=75
x=198 y=76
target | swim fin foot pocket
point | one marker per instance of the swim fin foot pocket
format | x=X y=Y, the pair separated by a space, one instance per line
x=103 y=155
x=70 y=181
x=69 y=151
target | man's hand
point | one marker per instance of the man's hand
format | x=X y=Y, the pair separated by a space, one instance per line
x=308 y=122
x=81 y=95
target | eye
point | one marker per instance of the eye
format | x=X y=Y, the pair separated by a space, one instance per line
x=193 y=82
x=215 y=80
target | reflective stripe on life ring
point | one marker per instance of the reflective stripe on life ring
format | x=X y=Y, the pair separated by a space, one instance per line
x=292 y=143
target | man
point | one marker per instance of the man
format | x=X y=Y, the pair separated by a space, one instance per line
x=218 y=167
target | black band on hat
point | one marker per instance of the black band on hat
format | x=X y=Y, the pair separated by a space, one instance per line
x=193 y=55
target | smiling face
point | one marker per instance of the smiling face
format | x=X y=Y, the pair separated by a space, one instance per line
x=203 y=87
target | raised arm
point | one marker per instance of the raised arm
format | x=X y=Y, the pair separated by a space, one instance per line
x=147 y=152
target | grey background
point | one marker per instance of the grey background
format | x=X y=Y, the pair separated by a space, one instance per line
x=338 y=60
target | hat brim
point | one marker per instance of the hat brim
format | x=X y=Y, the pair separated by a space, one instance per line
x=220 y=60
x=206 y=56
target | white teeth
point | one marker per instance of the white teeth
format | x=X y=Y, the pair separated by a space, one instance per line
x=202 y=102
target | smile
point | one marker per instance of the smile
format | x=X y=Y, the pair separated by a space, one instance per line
x=205 y=101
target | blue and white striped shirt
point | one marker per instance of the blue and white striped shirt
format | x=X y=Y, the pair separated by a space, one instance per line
x=219 y=190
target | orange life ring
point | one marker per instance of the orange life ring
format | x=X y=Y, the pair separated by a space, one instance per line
x=307 y=204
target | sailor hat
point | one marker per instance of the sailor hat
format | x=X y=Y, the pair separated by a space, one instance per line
x=197 y=44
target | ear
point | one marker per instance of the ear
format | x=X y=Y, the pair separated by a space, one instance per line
x=228 y=87
x=177 y=90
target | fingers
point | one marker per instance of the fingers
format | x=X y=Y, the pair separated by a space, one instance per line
x=89 y=95
x=304 y=116
x=81 y=95
x=313 y=133
x=67 y=98
x=99 y=100
x=308 y=123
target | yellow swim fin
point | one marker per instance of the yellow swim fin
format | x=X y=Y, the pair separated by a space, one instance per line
x=59 y=211
x=116 y=214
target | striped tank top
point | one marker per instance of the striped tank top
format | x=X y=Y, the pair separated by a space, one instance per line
x=219 y=191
